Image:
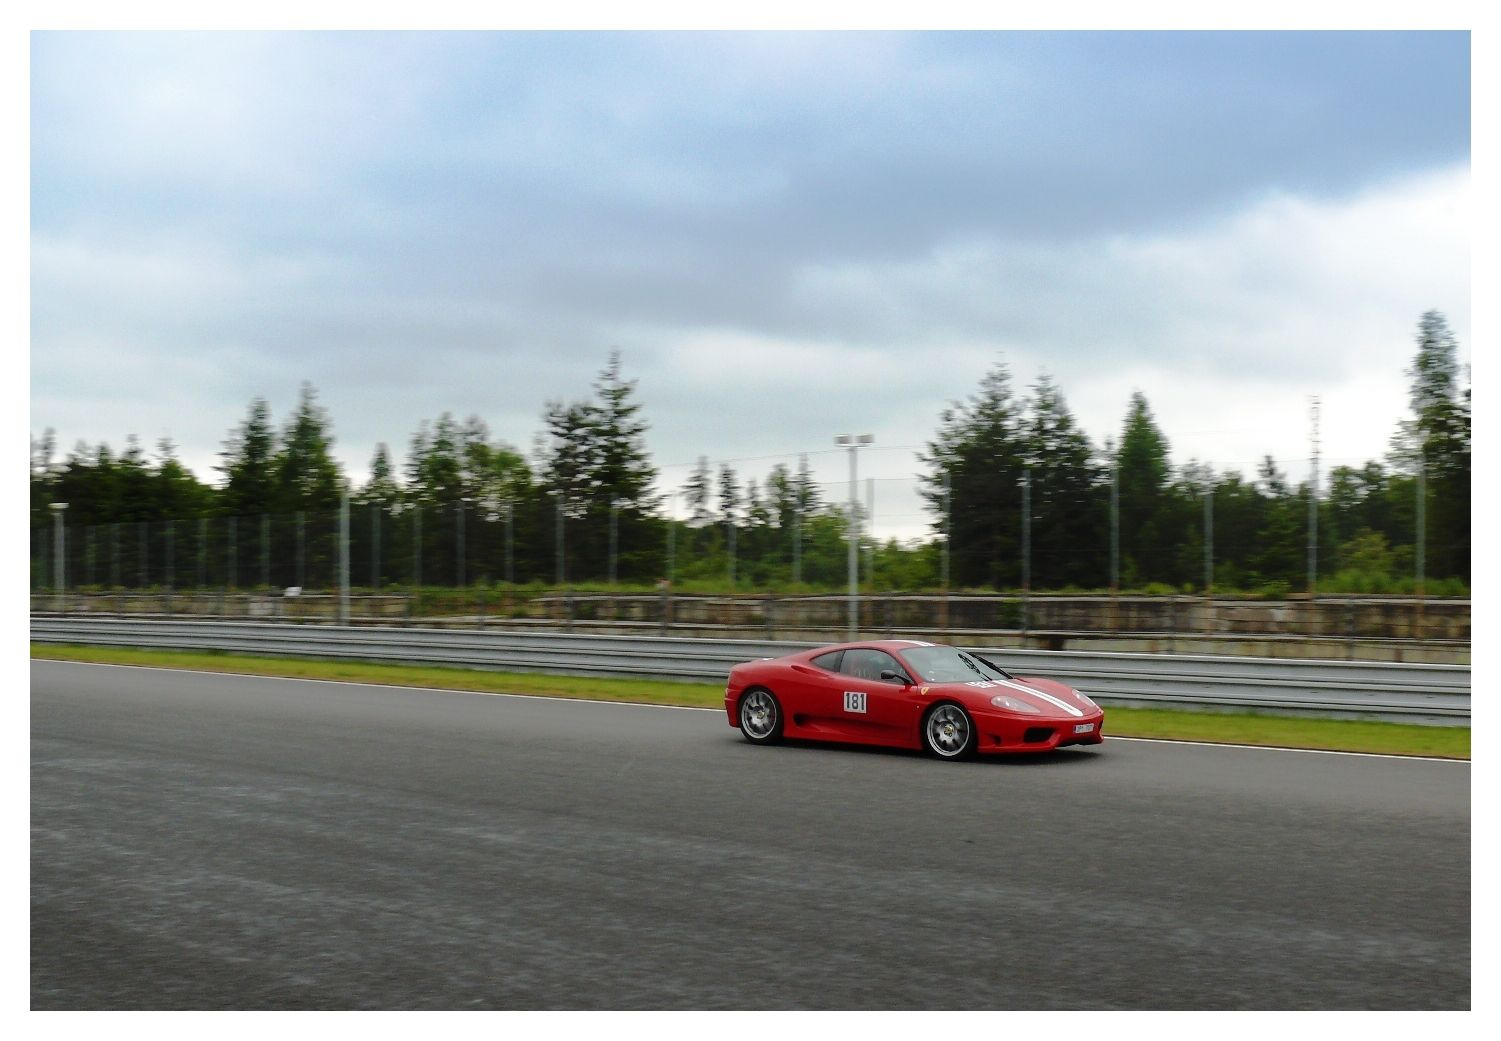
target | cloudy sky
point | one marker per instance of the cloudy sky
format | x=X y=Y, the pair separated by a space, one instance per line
x=787 y=236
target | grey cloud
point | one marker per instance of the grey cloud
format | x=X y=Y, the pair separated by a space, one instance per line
x=420 y=222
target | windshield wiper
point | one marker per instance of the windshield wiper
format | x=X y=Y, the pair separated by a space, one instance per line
x=994 y=667
x=966 y=659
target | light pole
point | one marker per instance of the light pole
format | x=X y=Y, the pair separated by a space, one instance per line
x=1420 y=543
x=1115 y=517
x=1313 y=504
x=1209 y=536
x=797 y=519
x=1026 y=483
x=870 y=544
x=510 y=548
x=562 y=569
x=672 y=531
x=416 y=548
x=948 y=539
x=375 y=508
x=59 y=551
x=615 y=505
x=853 y=443
x=344 y=556
x=729 y=540
x=459 y=570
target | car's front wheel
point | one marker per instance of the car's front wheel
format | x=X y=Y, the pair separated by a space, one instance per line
x=948 y=732
x=760 y=716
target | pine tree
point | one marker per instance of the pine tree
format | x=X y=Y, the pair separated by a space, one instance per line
x=42 y=450
x=1436 y=440
x=781 y=497
x=475 y=455
x=177 y=495
x=248 y=482
x=382 y=486
x=757 y=514
x=417 y=449
x=980 y=448
x=305 y=473
x=623 y=472
x=729 y=496
x=808 y=497
x=1069 y=495
x=1147 y=542
x=697 y=491
x=569 y=465
x=441 y=472
x=1281 y=538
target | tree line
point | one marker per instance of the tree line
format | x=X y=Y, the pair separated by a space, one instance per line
x=467 y=508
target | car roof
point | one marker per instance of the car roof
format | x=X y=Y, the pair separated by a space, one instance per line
x=883 y=645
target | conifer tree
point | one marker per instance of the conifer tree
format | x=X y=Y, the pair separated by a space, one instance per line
x=1146 y=540
x=305 y=473
x=248 y=486
x=981 y=450
x=1435 y=440
x=1069 y=496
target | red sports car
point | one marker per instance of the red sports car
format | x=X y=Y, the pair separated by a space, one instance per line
x=907 y=694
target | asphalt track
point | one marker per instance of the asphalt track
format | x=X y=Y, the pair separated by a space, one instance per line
x=207 y=841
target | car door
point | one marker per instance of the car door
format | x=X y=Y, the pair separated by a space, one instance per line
x=815 y=693
x=872 y=709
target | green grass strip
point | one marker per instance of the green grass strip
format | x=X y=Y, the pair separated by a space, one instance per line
x=1221 y=727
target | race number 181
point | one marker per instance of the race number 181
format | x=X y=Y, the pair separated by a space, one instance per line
x=854 y=701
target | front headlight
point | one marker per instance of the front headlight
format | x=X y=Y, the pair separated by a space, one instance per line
x=1005 y=701
x=1085 y=698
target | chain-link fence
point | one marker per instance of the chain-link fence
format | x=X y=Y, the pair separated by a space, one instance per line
x=403 y=546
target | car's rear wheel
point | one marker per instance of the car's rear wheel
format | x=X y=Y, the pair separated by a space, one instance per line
x=760 y=716
x=948 y=732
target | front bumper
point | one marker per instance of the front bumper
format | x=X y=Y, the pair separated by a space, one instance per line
x=1006 y=732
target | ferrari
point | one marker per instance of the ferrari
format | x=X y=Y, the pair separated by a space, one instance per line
x=948 y=702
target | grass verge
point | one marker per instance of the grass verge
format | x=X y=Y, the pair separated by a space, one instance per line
x=1221 y=727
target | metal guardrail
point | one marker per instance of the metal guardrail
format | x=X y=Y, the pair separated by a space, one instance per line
x=1393 y=692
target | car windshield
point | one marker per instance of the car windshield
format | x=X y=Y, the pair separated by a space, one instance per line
x=940 y=664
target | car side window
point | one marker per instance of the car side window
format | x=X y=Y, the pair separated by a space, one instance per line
x=829 y=661
x=867 y=663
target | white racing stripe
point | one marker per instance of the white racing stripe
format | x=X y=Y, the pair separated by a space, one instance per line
x=1039 y=694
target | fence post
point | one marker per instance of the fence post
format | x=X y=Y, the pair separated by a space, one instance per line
x=171 y=567
x=344 y=558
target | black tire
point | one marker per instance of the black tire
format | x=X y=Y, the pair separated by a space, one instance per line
x=760 y=715
x=948 y=732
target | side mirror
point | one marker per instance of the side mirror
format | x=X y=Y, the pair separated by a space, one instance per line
x=889 y=674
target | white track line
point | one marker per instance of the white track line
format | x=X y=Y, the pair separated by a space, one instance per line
x=697 y=708
x=384 y=686
x=1282 y=748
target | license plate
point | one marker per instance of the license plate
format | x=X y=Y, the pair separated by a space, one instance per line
x=1084 y=728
